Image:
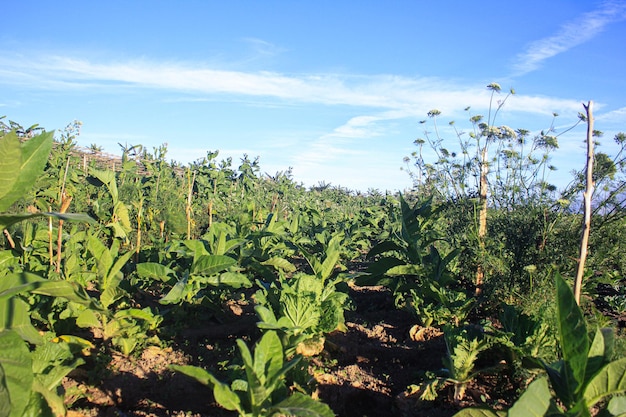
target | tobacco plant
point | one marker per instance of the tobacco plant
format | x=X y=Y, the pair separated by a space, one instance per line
x=583 y=380
x=463 y=349
x=263 y=391
x=302 y=309
x=410 y=264
x=28 y=380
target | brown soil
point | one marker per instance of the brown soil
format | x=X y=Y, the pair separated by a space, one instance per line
x=364 y=371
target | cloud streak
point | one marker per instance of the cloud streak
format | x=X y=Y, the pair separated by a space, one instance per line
x=569 y=36
x=409 y=95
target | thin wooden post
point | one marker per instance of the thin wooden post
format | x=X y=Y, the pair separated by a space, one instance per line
x=586 y=226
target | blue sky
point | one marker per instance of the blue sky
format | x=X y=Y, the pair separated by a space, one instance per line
x=334 y=89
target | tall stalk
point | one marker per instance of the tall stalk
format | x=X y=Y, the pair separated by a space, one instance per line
x=191 y=180
x=587 y=194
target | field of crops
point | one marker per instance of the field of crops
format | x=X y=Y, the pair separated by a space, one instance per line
x=142 y=287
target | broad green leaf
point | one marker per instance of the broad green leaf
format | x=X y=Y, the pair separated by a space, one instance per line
x=226 y=397
x=107 y=177
x=10 y=161
x=211 y=264
x=617 y=406
x=221 y=392
x=7 y=259
x=135 y=313
x=119 y=263
x=52 y=400
x=231 y=279
x=231 y=244
x=405 y=270
x=573 y=335
x=479 y=412
x=7 y=220
x=88 y=318
x=101 y=254
x=38 y=407
x=17 y=366
x=112 y=292
x=5 y=399
x=257 y=392
x=15 y=315
x=118 y=231
x=599 y=352
x=534 y=402
x=120 y=210
x=301 y=405
x=268 y=356
x=332 y=253
x=197 y=247
x=176 y=293
x=35 y=152
x=610 y=380
x=27 y=282
x=155 y=270
x=197 y=373
x=265 y=315
x=382 y=265
x=21 y=164
x=220 y=247
x=386 y=246
x=280 y=263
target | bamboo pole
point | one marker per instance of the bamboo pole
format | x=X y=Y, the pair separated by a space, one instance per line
x=586 y=226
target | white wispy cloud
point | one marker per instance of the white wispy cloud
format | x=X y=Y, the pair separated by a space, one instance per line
x=569 y=35
x=617 y=117
x=413 y=95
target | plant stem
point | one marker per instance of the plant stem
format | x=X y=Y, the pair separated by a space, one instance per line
x=586 y=226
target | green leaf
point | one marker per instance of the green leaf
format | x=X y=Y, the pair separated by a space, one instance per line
x=10 y=161
x=573 y=336
x=405 y=270
x=17 y=283
x=226 y=397
x=197 y=373
x=21 y=164
x=119 y=263
x=5 y=399
x=257 y=392
x=301 y=405
x=231 y=279
x=38 y=407
x=177 y=292
x=7 y=220
x=610 y=380
x=479 y=412
x=101 y=254
x=120 y=210
x=280 y=264
x=88 y=318
x=386 y=246
x=617 y=406
x=16 y=363
x=197 y=247
x=268 y=356
x=107 y=177
x=155 y=270
x=211 y=264
x=534 y=402
x=52 y=400
x=600 y=351
x=15 y=315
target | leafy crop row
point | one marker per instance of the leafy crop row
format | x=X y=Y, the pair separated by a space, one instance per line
x=86 y=244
